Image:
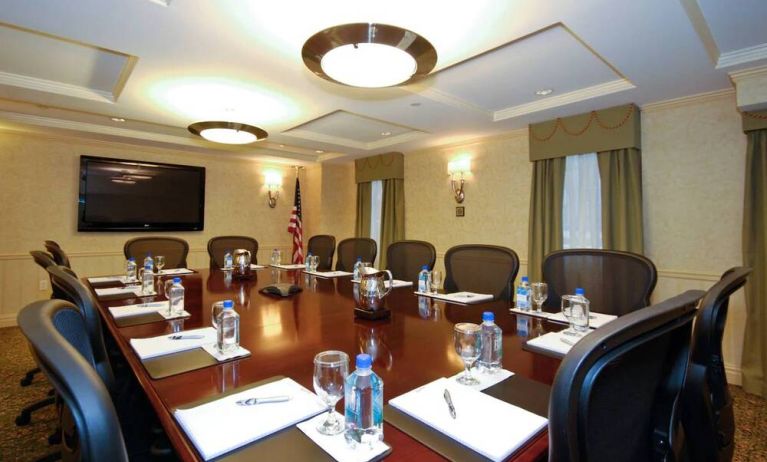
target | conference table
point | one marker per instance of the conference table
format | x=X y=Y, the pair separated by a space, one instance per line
x=414 y=346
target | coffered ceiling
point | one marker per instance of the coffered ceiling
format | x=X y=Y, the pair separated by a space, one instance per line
x=161 y=65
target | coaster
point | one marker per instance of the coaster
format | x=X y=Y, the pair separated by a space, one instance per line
x=164 y=313
x=212 y=350
x=336 y=445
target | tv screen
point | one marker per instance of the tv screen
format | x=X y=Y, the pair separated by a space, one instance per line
x=127 y=195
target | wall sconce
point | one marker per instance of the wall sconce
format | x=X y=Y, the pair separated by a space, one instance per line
x=456 y=168
x=273 y=181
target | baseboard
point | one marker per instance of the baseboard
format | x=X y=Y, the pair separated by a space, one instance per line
x=7 y=320
x=734 y=375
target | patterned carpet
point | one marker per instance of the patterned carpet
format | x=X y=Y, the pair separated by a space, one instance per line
x=31 y=442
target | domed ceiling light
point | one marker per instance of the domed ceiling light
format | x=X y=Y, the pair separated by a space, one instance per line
x=369 y=55
x=228 y=132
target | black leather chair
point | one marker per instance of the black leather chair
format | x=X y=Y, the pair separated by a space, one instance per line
x=484 y=269
x=323 y=246
x=58 y=338
x=218 y=246
x=350 y=249
x=59 y=256
x=406 y=258
x=707 y=414
x=174 y=250
x=615 y=282
x=616 y=394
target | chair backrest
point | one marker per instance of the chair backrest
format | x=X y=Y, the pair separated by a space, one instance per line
x=350 y=249
x=43 y=259
x=484 y=269
x=323 y=246
x=615 y=396
x=406 y=258
x=218 y=246
x=76 y=292
x=707 y=414
x=53 y=243
x=615 y=282
x=57 y=336
x=173 y=249
x=59 y=256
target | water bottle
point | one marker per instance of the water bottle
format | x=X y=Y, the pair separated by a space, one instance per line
x=363 y=404
x=228 y=328
x=148 y=260
x=579 y=311
x=308 y=262
x=492 y=344
x=130 y=270
x=276 y=257
x=228 y=260
x=147 y=280
x=423 y=280
x=357 y=269
x=523 y=294
x=176 y=297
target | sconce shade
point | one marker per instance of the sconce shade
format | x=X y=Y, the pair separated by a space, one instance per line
x=459 y=166
x=228 y=132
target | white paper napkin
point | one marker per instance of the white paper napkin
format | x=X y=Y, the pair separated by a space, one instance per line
x=486 y=379
x=395 y=283
x=463 y=298
x=329 y=274
x=292 y=266
x=165 y=314
x=163 y=345
x=485 y=424
x=212 y=350
x=118 y=291
x=557 y=342
x=336 y=445
x=176 y=271
x=221 y=426
x=135 y=310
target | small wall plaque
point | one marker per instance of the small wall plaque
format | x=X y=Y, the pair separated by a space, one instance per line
x=460 y=211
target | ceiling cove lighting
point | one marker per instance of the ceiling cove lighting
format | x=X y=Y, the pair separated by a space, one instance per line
x=228 y=132
x=369 y=55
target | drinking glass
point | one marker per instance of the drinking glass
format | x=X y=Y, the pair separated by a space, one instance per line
x=215 y=310
x=276 y=257
x=314 y=262
x=540 y=294
x=166 y=287
x=568 y=303
x=468 y=345
x=159 y=262
x=436 y=280
x=330 y=371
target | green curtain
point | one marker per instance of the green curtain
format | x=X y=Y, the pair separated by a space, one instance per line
x=362 y=227
x=545 y=228
x=392 y=216
x=620 y=173
x=754 y=363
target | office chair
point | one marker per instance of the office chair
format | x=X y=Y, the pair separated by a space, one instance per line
x=323 y=246
x=59 y=256
x=58 y=338
x=707 y=414
x=218 y=246
x=406 y=258
x=350 y=249
x=616 y=394
x=484 y=269
x=174 y=250
x=615 y=282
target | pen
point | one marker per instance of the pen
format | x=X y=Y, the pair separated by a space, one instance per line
x=449 y=402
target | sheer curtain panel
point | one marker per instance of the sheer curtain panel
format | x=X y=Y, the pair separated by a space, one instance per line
x=581 y=204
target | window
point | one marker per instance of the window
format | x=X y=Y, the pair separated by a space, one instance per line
x=376 y=201
x=582 y=203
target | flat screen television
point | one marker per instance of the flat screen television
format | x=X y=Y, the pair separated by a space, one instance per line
x=128 y=195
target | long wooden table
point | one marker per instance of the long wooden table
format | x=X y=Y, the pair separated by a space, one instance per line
x=413 y=347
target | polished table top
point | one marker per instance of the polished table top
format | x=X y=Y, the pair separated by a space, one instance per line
x=413 y=347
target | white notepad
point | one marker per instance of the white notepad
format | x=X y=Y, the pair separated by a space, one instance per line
x=596 y=320
x=118 y=291
x=152 y=347
x=557 y=342
x=139 y=309
x=485 y=424
x=395 y=283
x=221 y=426
x=103 y=279
x=176 y=271
x=292 y=266
x=329 y=274
x=463 y=298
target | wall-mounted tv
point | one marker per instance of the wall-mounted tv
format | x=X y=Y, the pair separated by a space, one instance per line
x=128 y=195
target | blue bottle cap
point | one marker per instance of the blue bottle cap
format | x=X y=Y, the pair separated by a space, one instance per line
x=364 y=361
x=131 y=259
x=579 y=291
x=425 y=267
x=525 y=279
x=176 y=280
x=309 y=254
x=228 y=304
x=149 y=254
x=359 y=258
x=488 y=316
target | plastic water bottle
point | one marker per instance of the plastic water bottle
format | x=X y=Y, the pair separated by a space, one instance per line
x=228 y=329
x=147 y=280
x=523 y=294
x=363 y=404
x=579 y=311
x=423 y=280
x=492 y=344
x=130 y=270
x=228 y=260
x=148 y=260
x=308 y=262
x=357 y=269
x=176 y=297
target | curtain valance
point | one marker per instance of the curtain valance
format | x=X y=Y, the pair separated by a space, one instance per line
x=754 y=120
x=596 y=131
x=380 y=167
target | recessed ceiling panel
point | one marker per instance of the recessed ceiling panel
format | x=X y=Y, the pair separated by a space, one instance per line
x=736 y=25
x=511 y=74
x=51 y=64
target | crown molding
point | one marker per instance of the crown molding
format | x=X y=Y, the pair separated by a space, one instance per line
x=58 y=88
x=513 y=134
x=742 y=56
x=740 y=75
x=689 y=100
x=564 y=99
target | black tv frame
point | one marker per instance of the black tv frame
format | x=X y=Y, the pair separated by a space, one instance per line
x=85 y=226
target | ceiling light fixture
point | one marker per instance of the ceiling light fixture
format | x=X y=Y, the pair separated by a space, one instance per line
x=385 y=133
x=544 y=92
x=228 y=132
x=369 y=55
x=319 y=151
x=117 y=119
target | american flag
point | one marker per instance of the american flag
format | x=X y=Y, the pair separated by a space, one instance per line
x=296 y=228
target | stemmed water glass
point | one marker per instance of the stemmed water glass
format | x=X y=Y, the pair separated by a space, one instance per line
x=468 y=345
x=159 y=262
x=330 y=371
x=436 y=280
x=540 y=293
